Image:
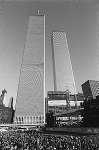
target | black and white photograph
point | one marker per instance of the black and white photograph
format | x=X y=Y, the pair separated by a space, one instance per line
x=49 y=75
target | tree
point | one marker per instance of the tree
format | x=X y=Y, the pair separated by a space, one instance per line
x=50 y=119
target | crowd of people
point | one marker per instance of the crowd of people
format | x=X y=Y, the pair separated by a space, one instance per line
x=33 y=140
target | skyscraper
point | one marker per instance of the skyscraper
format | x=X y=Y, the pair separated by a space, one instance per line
x=30 y=95
x=62 y=67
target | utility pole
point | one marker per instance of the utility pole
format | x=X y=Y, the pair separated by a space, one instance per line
x=67 y=97
x=75 y=97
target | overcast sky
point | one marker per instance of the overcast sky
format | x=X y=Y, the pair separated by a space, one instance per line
x=77 y=19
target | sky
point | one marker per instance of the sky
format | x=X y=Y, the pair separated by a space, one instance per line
x=79 y=21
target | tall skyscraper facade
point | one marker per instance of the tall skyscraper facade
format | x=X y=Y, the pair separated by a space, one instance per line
x=90 y=89
x=62 y=67
x=97 y=25
x=30 y=95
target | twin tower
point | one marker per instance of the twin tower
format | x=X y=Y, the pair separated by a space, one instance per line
x=30 y=104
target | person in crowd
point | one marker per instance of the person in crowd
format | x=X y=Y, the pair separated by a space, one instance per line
x=22 y=140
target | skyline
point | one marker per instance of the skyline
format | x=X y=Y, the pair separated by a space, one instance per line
x=77 y=20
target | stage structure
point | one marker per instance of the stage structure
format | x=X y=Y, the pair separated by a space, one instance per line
x=62 y=67
x=30 y=96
